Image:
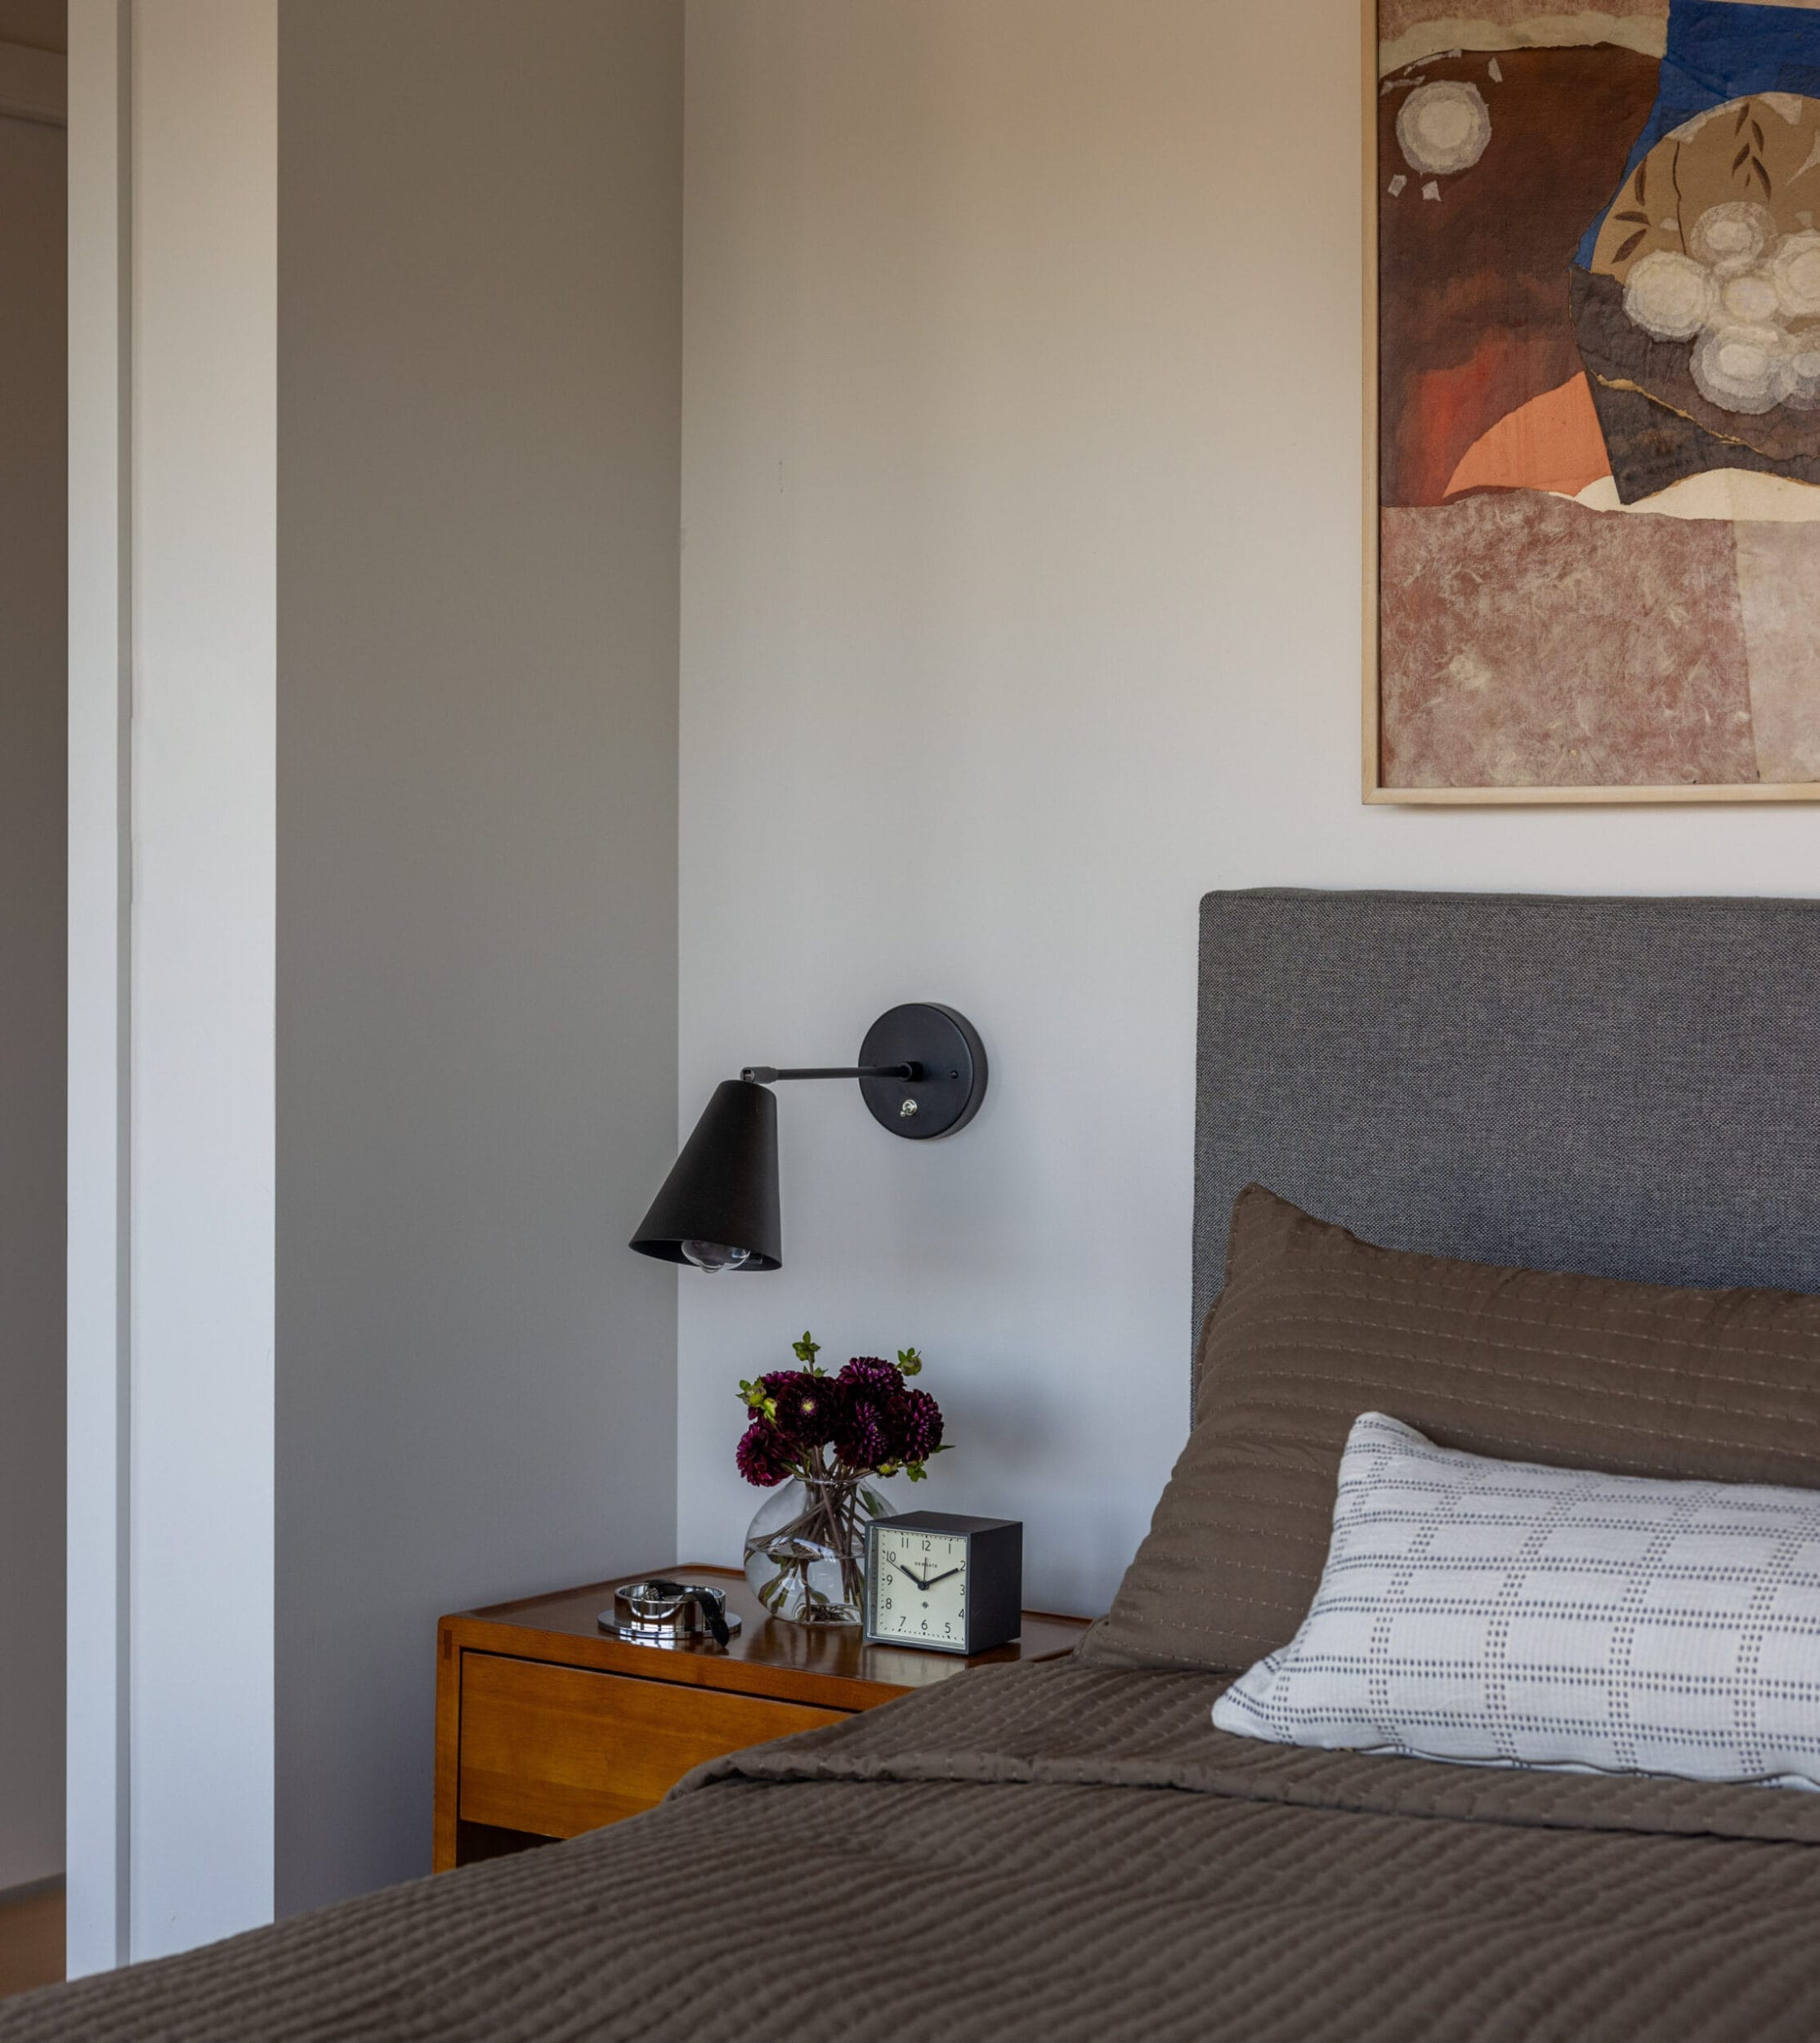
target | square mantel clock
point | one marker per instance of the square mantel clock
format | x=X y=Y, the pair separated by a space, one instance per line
x=954 y=1584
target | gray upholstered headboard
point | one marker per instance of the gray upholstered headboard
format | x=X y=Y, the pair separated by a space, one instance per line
x=1628 y=1087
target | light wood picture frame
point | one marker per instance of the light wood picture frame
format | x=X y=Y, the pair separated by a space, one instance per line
x=1592 y=484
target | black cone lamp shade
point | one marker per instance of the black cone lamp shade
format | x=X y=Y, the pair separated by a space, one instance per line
x=718 y=1208
x=922 y=1074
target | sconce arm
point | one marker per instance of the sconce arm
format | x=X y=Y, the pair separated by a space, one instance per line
x=769 y=1074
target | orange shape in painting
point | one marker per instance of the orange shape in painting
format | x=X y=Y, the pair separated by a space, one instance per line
x=1553 y=442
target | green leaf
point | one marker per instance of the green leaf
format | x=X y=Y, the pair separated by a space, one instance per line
x=910 y=1361
x=753 y=1396
x=879 y=1506
x=806 y=1351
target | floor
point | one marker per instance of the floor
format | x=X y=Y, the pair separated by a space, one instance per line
x=31 y=1942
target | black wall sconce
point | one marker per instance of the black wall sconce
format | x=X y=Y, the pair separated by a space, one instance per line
x=922 y=1074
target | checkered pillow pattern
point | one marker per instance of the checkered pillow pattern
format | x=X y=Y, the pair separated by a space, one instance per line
x=1497 y=1612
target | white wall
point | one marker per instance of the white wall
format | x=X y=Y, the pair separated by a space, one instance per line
x=204 y=509
x=479 y=298
x=1020 y=607
x=33 y=699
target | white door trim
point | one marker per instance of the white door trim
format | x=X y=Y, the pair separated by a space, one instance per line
x=100 y=1661
x=172 y=161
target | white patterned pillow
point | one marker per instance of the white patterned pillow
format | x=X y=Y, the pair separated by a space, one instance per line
x=1502 y=1614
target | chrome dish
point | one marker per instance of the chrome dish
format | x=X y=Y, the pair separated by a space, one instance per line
x=657 y=1612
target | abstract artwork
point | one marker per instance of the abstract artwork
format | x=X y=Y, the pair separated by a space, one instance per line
x=1594 y=367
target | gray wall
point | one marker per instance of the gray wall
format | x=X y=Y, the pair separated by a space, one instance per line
x=32 y=750
x=479 y=226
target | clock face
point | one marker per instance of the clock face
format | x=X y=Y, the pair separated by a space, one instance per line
x=918 y=1588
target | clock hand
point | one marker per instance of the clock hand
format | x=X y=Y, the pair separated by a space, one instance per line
x=934 y=1578
x=907 y=1575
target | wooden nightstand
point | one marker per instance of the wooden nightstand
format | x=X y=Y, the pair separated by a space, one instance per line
x=546 y=1727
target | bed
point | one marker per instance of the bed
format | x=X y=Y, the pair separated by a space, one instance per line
x=1070 y=1848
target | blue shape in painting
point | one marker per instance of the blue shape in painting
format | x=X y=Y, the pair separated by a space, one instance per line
x=1717 y=52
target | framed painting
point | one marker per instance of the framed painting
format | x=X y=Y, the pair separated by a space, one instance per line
x=1593 y=402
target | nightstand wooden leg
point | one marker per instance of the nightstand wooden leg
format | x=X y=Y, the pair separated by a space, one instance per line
x=443 y=1855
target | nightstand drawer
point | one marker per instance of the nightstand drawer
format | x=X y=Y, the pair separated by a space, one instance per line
x=558 y=1751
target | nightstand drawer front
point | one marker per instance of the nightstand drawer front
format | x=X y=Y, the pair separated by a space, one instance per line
x=558 y=1751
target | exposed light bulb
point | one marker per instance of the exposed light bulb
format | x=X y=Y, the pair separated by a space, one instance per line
x=715 y=1255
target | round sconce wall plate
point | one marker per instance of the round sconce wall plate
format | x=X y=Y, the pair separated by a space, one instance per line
x=947 y=1050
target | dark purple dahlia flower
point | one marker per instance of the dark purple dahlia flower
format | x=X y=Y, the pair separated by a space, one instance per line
x=773 y=1383
x=763 y=1456
x=871 y=1376
x=808 y=1407
x=866 y=1436
x=919 y=1425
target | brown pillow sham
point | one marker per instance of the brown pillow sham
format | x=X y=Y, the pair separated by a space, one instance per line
x=1315 y=1326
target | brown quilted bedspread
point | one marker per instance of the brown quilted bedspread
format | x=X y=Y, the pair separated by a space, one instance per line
x=1045 y=1851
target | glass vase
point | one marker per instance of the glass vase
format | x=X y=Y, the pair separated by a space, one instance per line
x=805 y=1550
